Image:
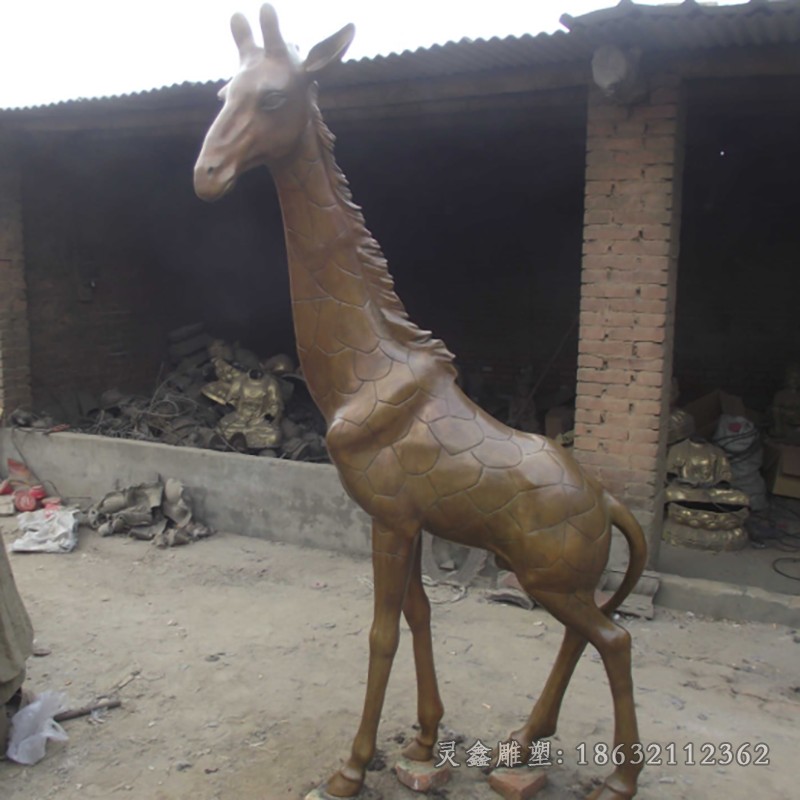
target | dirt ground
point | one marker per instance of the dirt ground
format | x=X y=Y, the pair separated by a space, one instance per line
x=243 y=666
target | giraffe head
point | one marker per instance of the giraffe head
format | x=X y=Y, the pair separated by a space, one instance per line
x=267 y=105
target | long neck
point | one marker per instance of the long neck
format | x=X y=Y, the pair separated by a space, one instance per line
x=344 y=306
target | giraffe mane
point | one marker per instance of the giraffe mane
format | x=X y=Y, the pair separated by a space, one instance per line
x=375 y=268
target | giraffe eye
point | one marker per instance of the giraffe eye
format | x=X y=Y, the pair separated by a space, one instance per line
x=271 y=101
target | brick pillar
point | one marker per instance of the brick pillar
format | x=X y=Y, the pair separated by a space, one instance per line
x=629 y=269
x=15 y=381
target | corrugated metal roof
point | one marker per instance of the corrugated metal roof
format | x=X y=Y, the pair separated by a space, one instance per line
x=688 y=25
x=149 y=98
x=465 y=56
x=453 y=58
x=691 y=25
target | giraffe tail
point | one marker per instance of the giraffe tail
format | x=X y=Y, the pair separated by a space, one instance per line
x=637 y=544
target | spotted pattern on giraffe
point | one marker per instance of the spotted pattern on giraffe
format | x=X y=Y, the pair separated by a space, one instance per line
x=454 y=474
x=372 y=366
x=418 y=454
x=385 y=475
x=346 y=288
x=502 y=454
x=397 y=386
x=353 y=329
x=387 y=428
x=457 y=435
x=358 y=408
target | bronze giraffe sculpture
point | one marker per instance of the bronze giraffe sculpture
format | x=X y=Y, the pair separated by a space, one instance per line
x=411 y=449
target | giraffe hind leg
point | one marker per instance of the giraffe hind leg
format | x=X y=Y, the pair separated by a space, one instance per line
x=584 y=622
x=543 y=719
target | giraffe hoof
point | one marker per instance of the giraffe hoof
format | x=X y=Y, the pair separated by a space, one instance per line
x=518 y=757
x=523 y=740
x=340 y=785
x=417 y=752
x=605 y=792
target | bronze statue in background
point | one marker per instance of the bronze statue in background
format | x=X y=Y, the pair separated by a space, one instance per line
x=255 y=394
x=703 y=509
x=222 y=360
x=258 y=408
x=410 y=447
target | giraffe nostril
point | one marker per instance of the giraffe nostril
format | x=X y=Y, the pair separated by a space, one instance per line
x=209 y=170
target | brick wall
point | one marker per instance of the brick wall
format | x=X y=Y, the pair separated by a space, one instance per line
x=120 y=251
x=98 y=308
x=631 y=222
x=14 y=340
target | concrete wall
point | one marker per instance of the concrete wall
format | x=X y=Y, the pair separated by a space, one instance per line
x=285 y=501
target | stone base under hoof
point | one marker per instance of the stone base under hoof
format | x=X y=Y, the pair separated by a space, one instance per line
x=365 y=794
x=421 y=776
x=521 y=783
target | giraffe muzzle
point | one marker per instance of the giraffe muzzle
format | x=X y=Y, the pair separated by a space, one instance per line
x=212 y=181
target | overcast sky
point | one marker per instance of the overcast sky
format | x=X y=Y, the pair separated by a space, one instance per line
x=64 y=49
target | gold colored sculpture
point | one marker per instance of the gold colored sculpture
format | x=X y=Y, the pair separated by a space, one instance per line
x=698 y=464
x=255 y=395
x=256 y=398
x=410 y=447
x=221 y=357
x=703 y=511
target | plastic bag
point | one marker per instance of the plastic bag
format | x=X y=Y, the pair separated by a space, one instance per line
x=739 y=438
x=33 y=725
x=47 y=531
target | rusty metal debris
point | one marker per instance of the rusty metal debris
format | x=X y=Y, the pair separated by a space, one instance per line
x=214 y=395
x=445 y=562
x=156 y=512
x=510 y=592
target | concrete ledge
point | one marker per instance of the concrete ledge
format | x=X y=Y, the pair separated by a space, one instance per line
x=280 y=500
x=299 y=503
x=728 y=601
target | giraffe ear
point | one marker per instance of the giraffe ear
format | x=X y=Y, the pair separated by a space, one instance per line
x=330 y=50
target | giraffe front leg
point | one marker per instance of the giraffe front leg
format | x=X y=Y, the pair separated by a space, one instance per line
x=392 y=558
x=417 y=611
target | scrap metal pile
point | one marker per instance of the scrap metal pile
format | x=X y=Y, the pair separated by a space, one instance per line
x=216 y=396
x=156 y=512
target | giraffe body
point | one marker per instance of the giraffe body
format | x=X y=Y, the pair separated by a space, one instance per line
x=454 y=471
x=411 y=449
